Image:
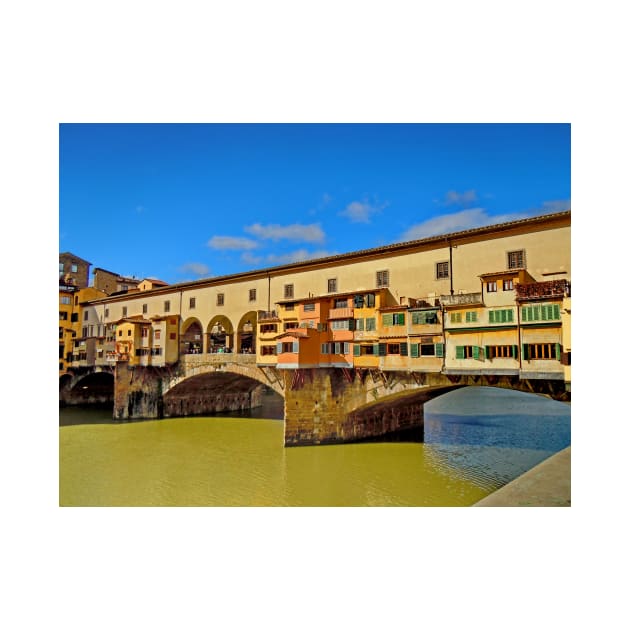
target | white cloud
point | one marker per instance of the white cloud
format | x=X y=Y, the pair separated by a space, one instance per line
x=232 y=242
x=361 y=211
x=458 y=221
x=249 y=258
x=197 y=269
x=557 y=205
x=453 y=197
x=297 y=256
x=312 y=233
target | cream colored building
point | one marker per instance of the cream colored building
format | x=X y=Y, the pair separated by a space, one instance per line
x=223 y=313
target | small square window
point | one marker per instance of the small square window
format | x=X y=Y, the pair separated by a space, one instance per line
x=192 y=302
x=252 y=295
x=508 y=285
x=167 y=306
x=288 y=290
x=220 y=299
x=382 y=278
x=441 y=270
x=74 y=268
x=516 y=259
x=332 y=285
x=491 y=287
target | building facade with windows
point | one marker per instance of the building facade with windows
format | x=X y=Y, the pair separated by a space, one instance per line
x=435 y=304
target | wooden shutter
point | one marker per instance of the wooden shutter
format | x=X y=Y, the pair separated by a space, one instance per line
x=491 y=317
x=558 y=351
x=556 y=311
x=475 y=352
x=279 y=348
x=459 y=352
x=415 y=352
x=388 y=319
x=382 y=349
x=524 y=353
x=439 y=349
x=359 y=324
x=515 y=351
x=296 y=347
x=403 y=349
x=356 y=350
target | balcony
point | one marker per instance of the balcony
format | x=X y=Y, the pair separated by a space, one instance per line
x=341 y=313
x=461 y=299
x=543 y=290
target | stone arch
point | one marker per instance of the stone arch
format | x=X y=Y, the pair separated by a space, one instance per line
x=212 y=392
x=91 y=388
x=246 y=333
x=220 y=334
x=191 y=338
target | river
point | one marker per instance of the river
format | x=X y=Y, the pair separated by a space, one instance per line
x=476 y=440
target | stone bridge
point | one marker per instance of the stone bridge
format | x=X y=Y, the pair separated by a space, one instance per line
x=321 y=406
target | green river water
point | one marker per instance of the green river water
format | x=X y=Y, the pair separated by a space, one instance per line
x=232 y=461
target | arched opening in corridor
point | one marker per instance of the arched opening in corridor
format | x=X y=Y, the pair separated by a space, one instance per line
x=220 y=335
x=246 y=333
x=191 y=340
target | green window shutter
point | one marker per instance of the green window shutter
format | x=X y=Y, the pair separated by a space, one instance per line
x=556 y=311
x=558 y=352
x=375 y=348
x=279 y=348
x=403 y=349
x=415 y=318
x=515 y=351
x=524 y=353
x=475 y=352
x=488 y=354
x=459 y=352
x=351 y=324
x=415 y=352
x=357 y=350
x=536 y=312
x=456 y=318
x=468 y=316
x=401 y=319
x=388 y=319
x=359 y=324
x=370 y=323
x=543 y=312
x=382 y=349
x=296 y=347
x=524 y=314
x=510 y=315
x=491 y=317
x=439 y=349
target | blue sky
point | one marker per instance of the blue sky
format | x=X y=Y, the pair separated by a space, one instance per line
x=185 y=201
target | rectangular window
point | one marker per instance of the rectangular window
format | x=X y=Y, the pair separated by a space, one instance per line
x=145 y=309
x=65 y=299
x=74 y=317
x=502 y=352
x=325 y=349
x=129 y=333
x=74 y=268
x=289 y=307
x=167 y=306
x=491 y=286
x=124 y=311
x=332 y=285
x=172 y=335
x=393 y=348
x=252 y=295
x=441 y=270
x=340 y=324
x=424 y=317
x=366 y=350
x=427 y=350
x=266 y=351
x=359 y=324
x=399 y=319
x=309 y=308
x=192 y=302
x=456 y=318
x=544 y=312
x=370 y=323
x=469 y=352
x=388 y=319
x=63 y=315
x=542 y=351
x=516 y=259
x=60 y=266
x=341 y=303
x=220 y=299
x=288 y=291
x=471 y=317
x=508 y=285
x=120 y=333
x=268 y=328
x=144 y=331
x=290 y=325
x=157 y=334
x=382 y=278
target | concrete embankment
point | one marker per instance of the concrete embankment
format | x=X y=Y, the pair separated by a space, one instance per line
x=546 y=485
